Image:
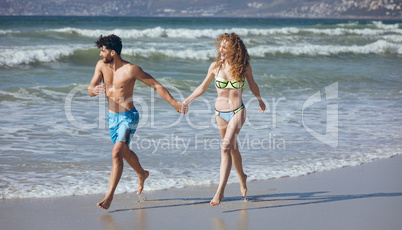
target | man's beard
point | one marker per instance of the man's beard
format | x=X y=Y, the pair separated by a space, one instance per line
x=107 y=60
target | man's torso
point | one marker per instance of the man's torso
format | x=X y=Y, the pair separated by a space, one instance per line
x=119 y=86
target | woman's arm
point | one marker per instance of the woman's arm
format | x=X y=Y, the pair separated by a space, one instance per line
x=254 y=87
x=201 y=88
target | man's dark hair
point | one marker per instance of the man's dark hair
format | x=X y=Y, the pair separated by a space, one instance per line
x=111 y=42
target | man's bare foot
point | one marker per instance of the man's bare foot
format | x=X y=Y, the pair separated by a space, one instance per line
x=141 y=180
x=243 y=185
x=105 y=203
x=216 y=200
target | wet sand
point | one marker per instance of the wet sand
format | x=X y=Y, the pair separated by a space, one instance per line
x=363 y=197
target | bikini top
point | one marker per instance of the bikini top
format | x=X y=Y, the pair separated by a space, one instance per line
x=221 y=83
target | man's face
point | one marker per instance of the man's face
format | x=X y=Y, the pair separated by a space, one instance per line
x=106 y=54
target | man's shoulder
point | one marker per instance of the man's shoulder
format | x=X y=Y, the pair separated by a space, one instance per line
x=131 y=68
x=100 y=64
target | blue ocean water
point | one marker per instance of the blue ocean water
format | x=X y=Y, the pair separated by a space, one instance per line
x=333 y=90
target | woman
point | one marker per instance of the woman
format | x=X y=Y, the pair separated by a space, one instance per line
x=230 y=70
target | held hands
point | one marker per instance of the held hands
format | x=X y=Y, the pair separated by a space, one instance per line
x=99 y=89
x=181 y=107
x=184 y=107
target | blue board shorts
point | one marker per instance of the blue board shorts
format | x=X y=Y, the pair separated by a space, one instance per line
x=123 y=125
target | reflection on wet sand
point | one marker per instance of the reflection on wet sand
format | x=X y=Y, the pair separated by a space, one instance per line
x=242 y=222
x=140 y=223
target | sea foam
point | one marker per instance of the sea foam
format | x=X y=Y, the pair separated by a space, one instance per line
x=378 y=47
x=158 y=32
x=11 y=56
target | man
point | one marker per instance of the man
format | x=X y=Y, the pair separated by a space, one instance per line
x=119 y=78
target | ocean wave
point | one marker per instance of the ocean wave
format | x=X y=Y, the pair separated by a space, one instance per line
x=155 y=32
x=344 y=31
x=2 y=32
x=261 y=51
x=158 y=32
x=378 y=47
x=349 y=24
x=393 y=38
x=381 y=25
x=182 y=54
x=37 y=93
x=12 y=56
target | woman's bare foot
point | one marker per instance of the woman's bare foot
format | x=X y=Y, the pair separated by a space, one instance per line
x=216 y=200
x=105 y=203
x=243 y=185
x=141 y=180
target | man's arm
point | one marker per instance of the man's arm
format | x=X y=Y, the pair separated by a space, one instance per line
x=160 y=89
x=95 y=88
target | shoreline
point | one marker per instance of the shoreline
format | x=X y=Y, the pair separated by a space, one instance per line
x=363 y=18
x=368 y=196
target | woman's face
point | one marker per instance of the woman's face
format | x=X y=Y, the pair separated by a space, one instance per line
x=223 y=49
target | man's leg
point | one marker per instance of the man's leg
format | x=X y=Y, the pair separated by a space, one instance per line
x=134 y=162
x=115 y=174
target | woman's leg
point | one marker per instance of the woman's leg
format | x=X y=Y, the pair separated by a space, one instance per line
x=238 y=165
x=229 y=133
x=237 y=159
x=225 y=164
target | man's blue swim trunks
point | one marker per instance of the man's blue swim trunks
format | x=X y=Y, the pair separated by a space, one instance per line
x=123 y=125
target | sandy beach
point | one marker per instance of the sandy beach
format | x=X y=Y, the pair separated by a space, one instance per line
x=363 y=197
x=332 y=89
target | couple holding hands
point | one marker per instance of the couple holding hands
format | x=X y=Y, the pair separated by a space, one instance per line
x=229 y=72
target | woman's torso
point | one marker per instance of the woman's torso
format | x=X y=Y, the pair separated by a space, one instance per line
x=229 y=98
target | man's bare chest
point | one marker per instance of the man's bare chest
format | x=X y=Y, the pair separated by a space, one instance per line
x=115 y=81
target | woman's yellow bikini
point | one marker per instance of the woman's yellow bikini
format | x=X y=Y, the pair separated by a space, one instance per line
x=221 y=83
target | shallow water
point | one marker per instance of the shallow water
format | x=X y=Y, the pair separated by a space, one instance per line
x=332 y=88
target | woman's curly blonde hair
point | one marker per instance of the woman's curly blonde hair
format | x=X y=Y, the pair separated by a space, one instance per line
x=236 y=55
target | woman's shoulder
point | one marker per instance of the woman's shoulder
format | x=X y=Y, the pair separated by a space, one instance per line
x=213 y=64
x=213 y=67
